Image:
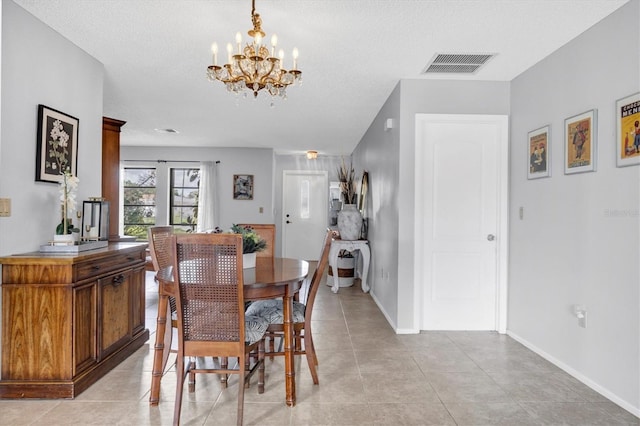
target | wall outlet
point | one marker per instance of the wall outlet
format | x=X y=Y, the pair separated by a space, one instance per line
x=521 y=213
x=580 y=311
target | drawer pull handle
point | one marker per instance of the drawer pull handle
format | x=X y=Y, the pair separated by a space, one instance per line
x=131 y=258
x=95 y=267
x=117 y=280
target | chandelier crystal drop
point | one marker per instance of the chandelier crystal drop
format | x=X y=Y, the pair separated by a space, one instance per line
x=255 y=67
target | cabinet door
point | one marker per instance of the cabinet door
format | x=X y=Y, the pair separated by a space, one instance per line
x=137 y=300
x=85 y=350
x=114 y=314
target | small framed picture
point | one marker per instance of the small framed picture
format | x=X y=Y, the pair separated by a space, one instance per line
x=628 y=133
x=538 y=158
x=243 y=187
x=580 y=143
x=57 y=145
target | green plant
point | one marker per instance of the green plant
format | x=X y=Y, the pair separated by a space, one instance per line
x=251 y=242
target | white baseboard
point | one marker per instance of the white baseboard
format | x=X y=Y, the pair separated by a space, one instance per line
x=577 y=375
x=389 y=320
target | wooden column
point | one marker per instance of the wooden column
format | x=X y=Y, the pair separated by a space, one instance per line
x=111 y=171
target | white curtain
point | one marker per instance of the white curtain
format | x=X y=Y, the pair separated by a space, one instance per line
x=207 y=199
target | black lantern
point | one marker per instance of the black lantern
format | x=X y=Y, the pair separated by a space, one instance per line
x=95 y=219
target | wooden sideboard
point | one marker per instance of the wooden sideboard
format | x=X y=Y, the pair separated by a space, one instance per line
x=67 y=319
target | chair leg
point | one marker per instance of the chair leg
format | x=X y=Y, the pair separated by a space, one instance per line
x=192 y=375
x=224 y=364
x=261 y=367
x=247 y=367
x=179 y=386
x=312 y=360
x=272 y=348
x=242 y=377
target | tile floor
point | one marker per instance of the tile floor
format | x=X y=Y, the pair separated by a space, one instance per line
x=368 y=376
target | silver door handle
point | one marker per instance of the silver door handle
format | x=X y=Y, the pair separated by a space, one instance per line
x=491 y=237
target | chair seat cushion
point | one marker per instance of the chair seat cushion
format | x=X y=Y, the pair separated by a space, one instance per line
x=271 y=311
x=254 y=328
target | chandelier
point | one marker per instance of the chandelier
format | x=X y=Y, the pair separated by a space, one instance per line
x=255 y=67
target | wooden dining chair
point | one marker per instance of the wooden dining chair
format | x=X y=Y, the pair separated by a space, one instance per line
x=268 y=233
x=211 y=319
x=159 y=238
x=272 y=311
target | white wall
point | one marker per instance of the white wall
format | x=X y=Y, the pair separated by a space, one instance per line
x=579 y=240
x=41 y=67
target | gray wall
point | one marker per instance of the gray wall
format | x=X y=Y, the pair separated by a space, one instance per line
x=389 y=156
x=41 y=67
x=578 y=242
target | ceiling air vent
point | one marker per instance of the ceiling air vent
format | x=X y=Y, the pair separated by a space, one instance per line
x=166 y=130
x=465 y=63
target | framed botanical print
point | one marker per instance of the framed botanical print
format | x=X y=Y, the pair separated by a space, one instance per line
x=628 y=131
x=580 y=134
x=538 y=153
x=243 y=187
x=57 y=145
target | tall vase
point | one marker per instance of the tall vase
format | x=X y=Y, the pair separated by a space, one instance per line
x=349 y=222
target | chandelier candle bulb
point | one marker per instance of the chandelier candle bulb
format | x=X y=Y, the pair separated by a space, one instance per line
x=274 y=43
x=295 y=58
x=229 y=52
x=214 y=50
x=239 y=42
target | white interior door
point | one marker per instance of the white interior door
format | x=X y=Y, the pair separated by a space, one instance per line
x=460 y=193
x=304 y=213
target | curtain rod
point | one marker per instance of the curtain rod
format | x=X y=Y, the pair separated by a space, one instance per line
x=168 y=161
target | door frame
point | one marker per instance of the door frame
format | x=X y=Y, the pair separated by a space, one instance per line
x=322 y=173
x=502 y=210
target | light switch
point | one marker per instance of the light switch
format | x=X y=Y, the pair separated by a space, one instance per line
x=5 y=207
x=261 y=209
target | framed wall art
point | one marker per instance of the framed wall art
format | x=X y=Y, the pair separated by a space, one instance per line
x=243 y=187
x=57 y=145
x=580 y=144
x=538 y=153
x=628 y=131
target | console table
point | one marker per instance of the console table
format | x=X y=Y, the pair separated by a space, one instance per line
x=67 y=319
x=363 y=247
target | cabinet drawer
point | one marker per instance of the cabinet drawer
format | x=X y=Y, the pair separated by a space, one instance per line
x=90 y=269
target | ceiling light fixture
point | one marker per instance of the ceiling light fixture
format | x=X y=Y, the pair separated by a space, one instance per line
x=255 y=67
x=312 y=155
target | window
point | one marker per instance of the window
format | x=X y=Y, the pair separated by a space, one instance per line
x=139 y=201
x=183 y=200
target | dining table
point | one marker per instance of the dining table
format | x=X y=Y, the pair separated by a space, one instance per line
x=272 y=277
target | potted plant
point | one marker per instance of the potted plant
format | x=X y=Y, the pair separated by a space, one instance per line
x=65 y=230
x=251 y=244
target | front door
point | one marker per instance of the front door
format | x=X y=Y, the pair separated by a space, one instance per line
x=459 y=193
x=304 y=213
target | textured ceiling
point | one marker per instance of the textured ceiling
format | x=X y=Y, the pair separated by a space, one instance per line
x=352 y=54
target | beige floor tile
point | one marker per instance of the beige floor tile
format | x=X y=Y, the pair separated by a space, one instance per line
x=397 y=388
x=489 y=414
x=570 y=413
x=426 y=413
x=383 y=361
x=25 y=412
x=307 y=413
x=368 y=375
